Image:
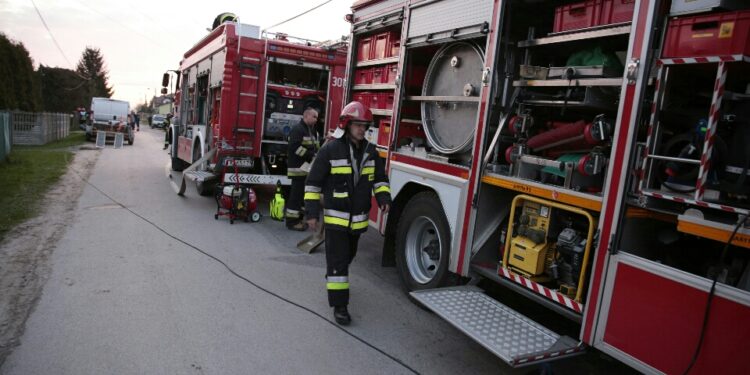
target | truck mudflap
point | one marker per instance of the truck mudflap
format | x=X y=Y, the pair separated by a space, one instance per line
x=516 y=339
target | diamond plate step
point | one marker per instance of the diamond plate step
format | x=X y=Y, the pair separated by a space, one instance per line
x=200 y=176
x=514 y=338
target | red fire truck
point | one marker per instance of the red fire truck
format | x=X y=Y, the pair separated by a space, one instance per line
x=238 y=94
x=590 y=157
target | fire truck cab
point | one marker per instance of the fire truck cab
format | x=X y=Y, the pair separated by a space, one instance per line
x=238 y=96
x=590 y=157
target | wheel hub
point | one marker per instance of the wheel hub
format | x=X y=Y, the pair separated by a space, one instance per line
x=423 y=250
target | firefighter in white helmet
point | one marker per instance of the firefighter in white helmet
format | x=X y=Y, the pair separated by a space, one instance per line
x=347 y=171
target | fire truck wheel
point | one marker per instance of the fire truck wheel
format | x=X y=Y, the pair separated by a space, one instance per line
x=422 y=243
x=255 y=217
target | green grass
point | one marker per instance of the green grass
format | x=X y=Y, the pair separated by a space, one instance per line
x=27 y=175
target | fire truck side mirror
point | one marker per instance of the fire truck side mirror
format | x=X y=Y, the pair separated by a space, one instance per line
x=163 y=90
x=165 y=80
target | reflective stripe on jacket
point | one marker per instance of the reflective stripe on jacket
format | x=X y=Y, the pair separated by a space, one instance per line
x=303 y=145
x=346 y=185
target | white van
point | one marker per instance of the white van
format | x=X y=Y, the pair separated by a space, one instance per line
x=111 y=116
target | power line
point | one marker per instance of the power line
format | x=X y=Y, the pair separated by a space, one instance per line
x=144 y=36
x=85 y=79
x=50 y=33
x=299 y=15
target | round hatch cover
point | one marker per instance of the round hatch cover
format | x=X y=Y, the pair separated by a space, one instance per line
x=455 y=71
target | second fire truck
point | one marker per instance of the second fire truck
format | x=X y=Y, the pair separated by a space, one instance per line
x=238 y=95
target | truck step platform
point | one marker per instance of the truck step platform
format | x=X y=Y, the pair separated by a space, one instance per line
x=200 y=176
x=514 y=338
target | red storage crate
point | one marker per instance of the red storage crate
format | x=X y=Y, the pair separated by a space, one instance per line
x=411 y=130
x=577 y=16
x=384 y=132
x=364 y=97
x=379 y=74
x=375 y=101
x=379 y=46
x=391 y=71
x=395 y=46
x=364 y=48
x=363 y=76
x=386 y=100
x=617 y=11
x=716 y=34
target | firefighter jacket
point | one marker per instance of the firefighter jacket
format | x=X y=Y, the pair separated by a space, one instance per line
x=346 y=178
x=303 y=144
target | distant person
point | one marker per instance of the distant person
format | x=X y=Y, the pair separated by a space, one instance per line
x=304 y=143
x=137 y=119
x=168 y=132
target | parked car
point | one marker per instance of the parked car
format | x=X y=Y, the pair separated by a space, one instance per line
x=158 y=121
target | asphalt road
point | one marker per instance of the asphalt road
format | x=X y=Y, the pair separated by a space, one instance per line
x=128 y=295
x=124 y=297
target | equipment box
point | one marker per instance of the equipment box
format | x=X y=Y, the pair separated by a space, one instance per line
x=384 y=132
x=617 y=11
x=381 y=100
x=364 y=48
x=383 y=45
x=364 y=97
x=395 y=46
x=363 y=76
x=384 y=74
x=577 y=16
x=696 y=6
x=390 y=73
x=716 y=34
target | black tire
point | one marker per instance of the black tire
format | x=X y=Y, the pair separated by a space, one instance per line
x=423 y=243
x=89 y=137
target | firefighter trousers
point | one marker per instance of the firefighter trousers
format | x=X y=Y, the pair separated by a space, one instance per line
x=341 y=247
x=293 y=213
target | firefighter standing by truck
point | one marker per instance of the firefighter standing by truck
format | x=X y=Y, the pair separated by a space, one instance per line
x=304 y=142
x=346 y=172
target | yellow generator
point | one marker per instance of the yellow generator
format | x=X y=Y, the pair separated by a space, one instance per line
x=549 y=243
x=528 y=248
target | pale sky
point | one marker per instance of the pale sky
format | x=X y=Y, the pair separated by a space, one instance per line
x=141 y=39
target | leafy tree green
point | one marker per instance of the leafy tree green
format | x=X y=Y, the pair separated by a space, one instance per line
x=62 y=89
x=19 y=88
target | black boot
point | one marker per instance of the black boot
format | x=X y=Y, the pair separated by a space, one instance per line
x=341 y=315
